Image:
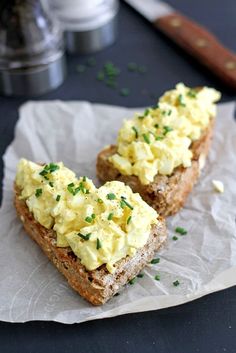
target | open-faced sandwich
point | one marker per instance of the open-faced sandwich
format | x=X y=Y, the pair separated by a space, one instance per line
x=99 y=238
x=160 y=153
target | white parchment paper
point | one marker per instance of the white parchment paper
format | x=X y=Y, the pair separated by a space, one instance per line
x=203 y=261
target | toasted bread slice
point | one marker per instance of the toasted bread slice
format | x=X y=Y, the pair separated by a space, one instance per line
x=166 y=194
x=95 y=286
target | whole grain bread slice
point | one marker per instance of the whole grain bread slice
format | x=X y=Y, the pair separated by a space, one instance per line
x=166 y=194
x=95 y=286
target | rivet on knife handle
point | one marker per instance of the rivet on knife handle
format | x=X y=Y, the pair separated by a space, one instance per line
x=201 y=44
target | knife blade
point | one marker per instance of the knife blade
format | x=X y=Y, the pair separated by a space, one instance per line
x=193 y=38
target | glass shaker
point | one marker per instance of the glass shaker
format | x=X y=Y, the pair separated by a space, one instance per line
x=89 y=25
x=31 y=48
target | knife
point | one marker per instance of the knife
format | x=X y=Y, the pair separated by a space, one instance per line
x=190 y=36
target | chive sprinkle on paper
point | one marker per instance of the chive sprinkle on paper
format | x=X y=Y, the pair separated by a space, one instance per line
x=140 y=275
x=176 y=283
x=181 y=230
x=155 y=261
x=132 y=281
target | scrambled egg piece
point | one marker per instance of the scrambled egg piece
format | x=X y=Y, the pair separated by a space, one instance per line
x=101 y=225
x=159 y=140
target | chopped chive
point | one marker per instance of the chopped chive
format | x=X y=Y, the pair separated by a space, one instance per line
x=53 y=167
x=100 y=76
x=111 y=83
x=146 y=112
x=89 y=219
x=140 y=275
x=124 y=203
x=91 y=61
x=110 y=216
x=152 y=133
x=157 y=277
x=70 y=188
x=181 y=100
x=175 y=238
x=38 y=192
x=129 y=219
x=80 y=68
x=84 y=237
x=84 y=179
x=146 y=138
x=156 y=126
x=176 y=283
x=111 y=196
x=43 y=173
x=155 y=261
x=48 y=169
x=167 y=129
x=132 y=281
x=142 y=69
x=181 y=230
x=125 y=92
x=192 y=93
x=93 y=216
x=99 y=244
x=82 y=187
x=87 y=191
x=132 y=66
x=159 y=138
x=51 y=184
x=99 y=200
x=135 y=131
x=156 y=106
x=167 y=112
x=76 y=190
x=141 y=117
x=58 y=198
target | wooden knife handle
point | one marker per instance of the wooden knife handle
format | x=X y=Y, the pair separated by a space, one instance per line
x=200 y=44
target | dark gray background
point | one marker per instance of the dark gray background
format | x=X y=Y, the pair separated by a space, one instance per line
x=205 y=325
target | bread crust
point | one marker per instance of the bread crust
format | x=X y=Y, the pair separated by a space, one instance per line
x=95 y=286
x=166 y=194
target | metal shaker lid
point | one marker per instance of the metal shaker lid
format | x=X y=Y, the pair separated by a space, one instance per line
x=89 y=25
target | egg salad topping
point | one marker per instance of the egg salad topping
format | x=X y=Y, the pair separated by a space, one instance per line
x=158 y=141
x=101 y=225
